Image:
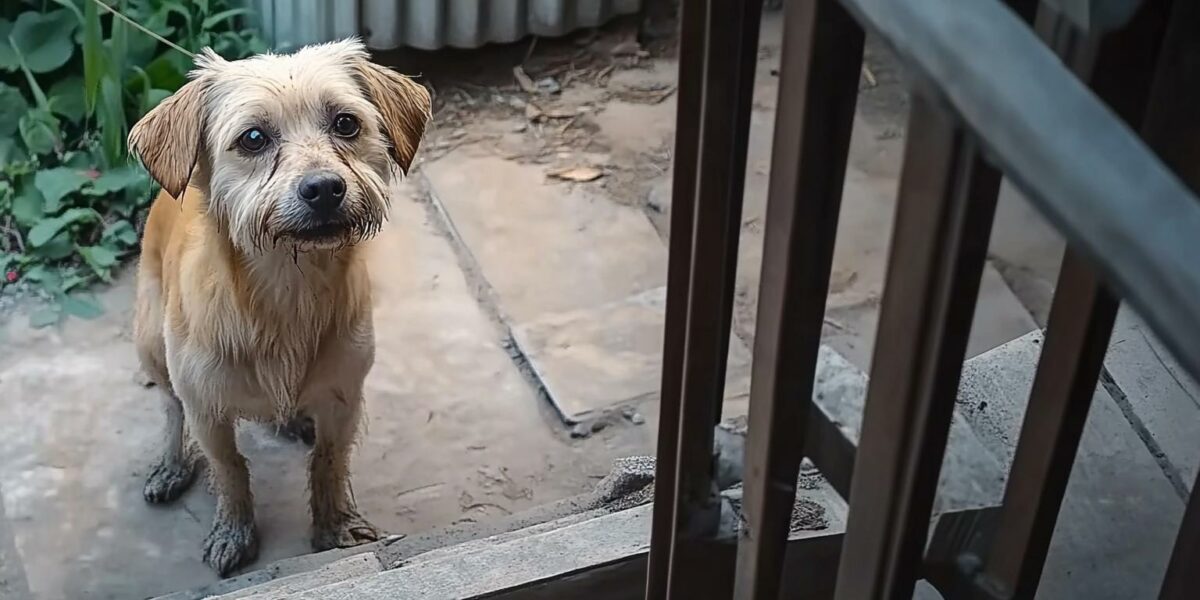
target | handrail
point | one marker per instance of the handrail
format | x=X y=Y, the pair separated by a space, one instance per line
x=1119 y=205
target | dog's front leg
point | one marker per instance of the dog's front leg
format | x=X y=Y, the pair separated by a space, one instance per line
x=336 y=521
x=233 y=540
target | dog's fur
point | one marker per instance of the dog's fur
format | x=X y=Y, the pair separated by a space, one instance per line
x=242 y=312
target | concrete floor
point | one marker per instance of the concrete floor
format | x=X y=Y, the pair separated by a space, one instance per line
x=487 y=256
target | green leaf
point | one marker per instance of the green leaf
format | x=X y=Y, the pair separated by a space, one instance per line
x=58 y=248
x=11 y=152
x=99 y=258
x=55 y=184
x=182 y=11
x=47 y=229
x=74 y=280
x=152 y=97
x=9 y=60
x=69 y=5
x=115 y=180
x=44 y=317
x=111 y=118
x=39 y=131
x=43 y=40
x=44 y=275
x=12 y=106
x=43 y=231
x=118 y=46
x=83 y=306
x=67 y=98
x=222 y=16
x=168 y=71
x=93 y=55
x=119 y=232
x=27 y=205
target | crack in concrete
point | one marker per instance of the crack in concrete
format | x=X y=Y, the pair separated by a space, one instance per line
x=1156 y=451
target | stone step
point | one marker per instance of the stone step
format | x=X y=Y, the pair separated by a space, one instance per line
x=359 y=565
x=971 y=476
x=550 y=550
x=1118 y=520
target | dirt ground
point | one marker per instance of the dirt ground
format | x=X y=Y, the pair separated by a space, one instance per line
x=540 y=207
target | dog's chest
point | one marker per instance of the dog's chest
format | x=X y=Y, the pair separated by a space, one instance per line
x=268 y=341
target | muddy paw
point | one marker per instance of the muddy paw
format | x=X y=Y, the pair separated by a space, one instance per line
x=168 y=481
x=230 y=545
x=352 y=530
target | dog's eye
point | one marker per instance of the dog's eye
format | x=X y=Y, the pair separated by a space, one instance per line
x=345 y=125
x=252 y=140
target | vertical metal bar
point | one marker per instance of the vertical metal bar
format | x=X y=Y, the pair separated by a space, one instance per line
x=692 y=41
x=1119 y=67
x=1173 y=129
x=818 y=87
x=729 y=60
x=1182 y=581
x=729 y=49
x=944 y=215
x=1081 y=321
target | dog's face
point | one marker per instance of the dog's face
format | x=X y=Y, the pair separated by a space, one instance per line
x=292 y=149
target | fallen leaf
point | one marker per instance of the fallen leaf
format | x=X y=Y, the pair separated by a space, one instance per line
x=626 y=48
x=577 y=174
x=533 y=113
x=524 y=80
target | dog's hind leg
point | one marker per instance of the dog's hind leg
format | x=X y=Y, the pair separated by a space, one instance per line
x=336 y=520
x=176 y=469
x=233 y=540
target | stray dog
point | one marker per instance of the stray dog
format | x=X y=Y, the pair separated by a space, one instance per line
x=252 y=297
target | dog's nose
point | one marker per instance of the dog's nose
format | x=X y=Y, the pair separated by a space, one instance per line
x=322 y=190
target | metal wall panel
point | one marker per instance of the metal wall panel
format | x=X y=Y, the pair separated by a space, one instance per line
x=429 y=24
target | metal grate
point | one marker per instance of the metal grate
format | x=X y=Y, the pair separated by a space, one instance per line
x=1057 y=116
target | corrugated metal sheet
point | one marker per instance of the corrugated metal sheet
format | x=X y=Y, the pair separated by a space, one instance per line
x=429 y=24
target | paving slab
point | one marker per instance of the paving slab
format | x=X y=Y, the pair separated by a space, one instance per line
x=1164 y=400
x=1120 y=515
x=594 y=359
x=545 y=247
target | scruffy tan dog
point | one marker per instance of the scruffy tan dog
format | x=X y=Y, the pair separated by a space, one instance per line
x=253 y=300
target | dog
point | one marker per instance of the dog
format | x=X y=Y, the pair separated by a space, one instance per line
x=253 y=299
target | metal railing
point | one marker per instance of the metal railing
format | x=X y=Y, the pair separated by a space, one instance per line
x=1057 y=116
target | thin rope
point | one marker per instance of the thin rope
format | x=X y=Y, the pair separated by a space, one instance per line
x=143 y=29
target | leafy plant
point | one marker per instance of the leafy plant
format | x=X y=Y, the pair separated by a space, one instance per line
x=72 y=79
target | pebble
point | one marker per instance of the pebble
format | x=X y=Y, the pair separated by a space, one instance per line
x=581 y=430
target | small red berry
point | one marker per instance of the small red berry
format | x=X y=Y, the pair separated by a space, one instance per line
x=11 y=276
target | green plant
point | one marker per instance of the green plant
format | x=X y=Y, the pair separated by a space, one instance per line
x=72 y=79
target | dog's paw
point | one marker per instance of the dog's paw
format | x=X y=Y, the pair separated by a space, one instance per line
x=230 y=545
x=351 y=530
x=168 y=480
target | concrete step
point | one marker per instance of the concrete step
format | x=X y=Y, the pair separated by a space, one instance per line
x=971 y=475
x=359 y=565
x=550 y=550
x=1118 y=520
x=615 y=491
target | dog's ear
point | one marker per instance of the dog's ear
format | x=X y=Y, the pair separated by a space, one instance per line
x=167 y=139
x=404 y=106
